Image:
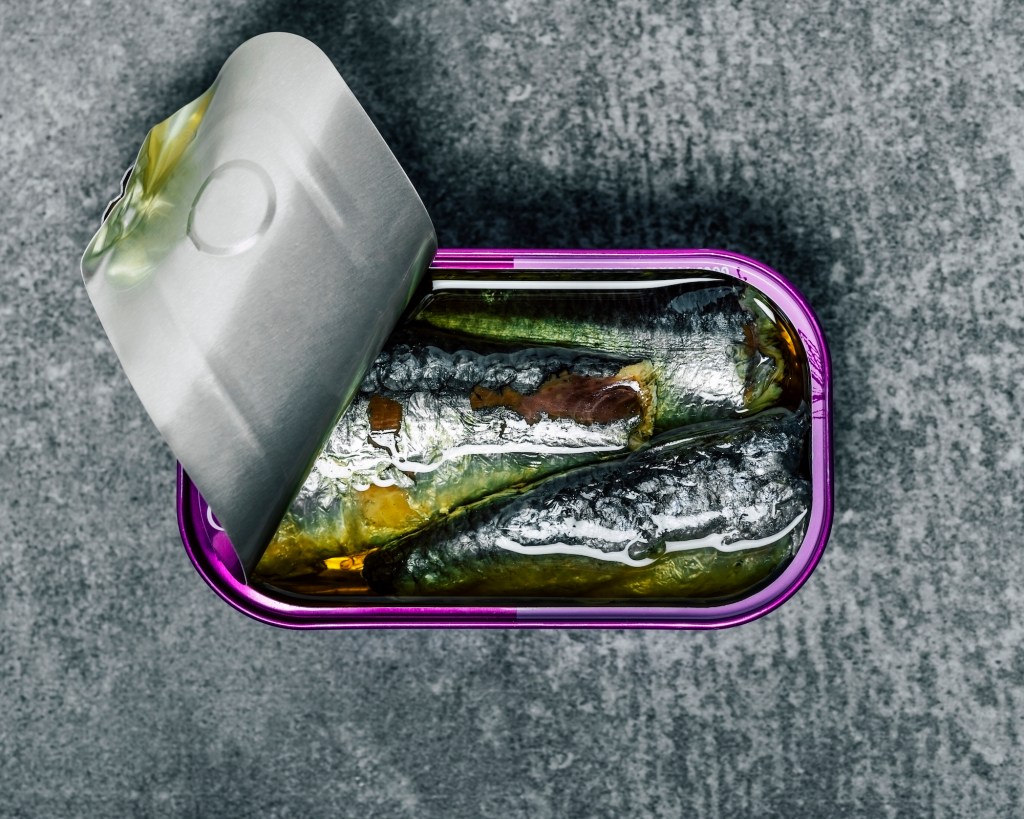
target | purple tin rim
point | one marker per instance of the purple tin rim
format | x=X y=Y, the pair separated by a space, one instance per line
x=213 y=557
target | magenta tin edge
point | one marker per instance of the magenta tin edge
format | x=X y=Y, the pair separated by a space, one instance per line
x=206 y=547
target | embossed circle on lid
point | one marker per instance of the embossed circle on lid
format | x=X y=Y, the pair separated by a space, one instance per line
x=233 y=209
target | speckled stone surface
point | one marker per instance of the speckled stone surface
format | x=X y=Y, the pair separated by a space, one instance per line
x=874 y=153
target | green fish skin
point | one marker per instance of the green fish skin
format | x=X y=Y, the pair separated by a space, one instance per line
x=717 y=349
x=703 y=517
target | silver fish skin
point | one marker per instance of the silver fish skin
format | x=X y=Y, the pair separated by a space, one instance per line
x=406 y=368
x=716 y=495
x=712 y=347
x=440 y=431
x=433 y=431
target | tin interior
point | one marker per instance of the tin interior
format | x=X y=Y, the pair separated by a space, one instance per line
x=214 y=558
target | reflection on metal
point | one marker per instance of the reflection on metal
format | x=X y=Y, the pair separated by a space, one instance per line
x=264 y=224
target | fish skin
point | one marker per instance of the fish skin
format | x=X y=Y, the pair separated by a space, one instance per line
x=715 y=351
x=419 y=367
x=371 y=485
x=739 y=484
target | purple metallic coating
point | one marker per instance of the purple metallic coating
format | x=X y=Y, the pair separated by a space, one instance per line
x=206 y=544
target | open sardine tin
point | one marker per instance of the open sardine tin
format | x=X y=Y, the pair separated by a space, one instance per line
x=375 y=433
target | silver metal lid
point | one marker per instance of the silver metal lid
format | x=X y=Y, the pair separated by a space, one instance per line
x=265 y=246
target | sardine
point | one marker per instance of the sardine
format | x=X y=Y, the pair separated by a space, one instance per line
x=707 y=515
x=432 y=431
x=718 y=351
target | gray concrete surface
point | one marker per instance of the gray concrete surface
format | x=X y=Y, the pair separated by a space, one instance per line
x=872 y=152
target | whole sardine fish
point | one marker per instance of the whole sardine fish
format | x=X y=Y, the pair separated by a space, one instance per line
x=717 y=350
x=704 y=516
x=437 y=426
x=433 y=430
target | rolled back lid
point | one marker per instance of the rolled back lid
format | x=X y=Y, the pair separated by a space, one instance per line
x=266 y=244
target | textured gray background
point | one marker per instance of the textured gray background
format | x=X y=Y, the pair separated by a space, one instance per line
x=872 y=152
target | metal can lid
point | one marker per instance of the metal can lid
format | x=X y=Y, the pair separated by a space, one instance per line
x=266 y=244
